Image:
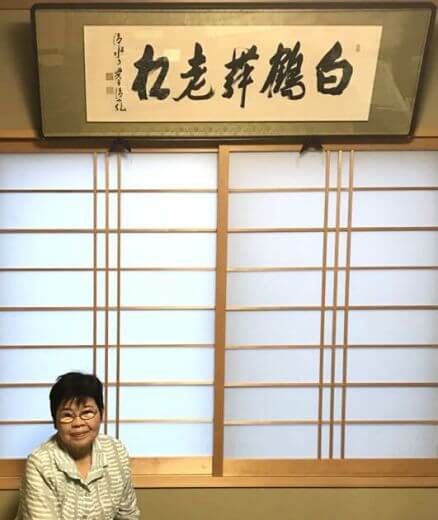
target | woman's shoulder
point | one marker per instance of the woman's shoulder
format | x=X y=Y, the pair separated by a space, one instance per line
x=108 y=441
x=113 y=454
x=42 y=460
x=109 y=444
x=44 y=452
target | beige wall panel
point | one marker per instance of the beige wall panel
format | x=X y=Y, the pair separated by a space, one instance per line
x=280 y=504
x=18 y=84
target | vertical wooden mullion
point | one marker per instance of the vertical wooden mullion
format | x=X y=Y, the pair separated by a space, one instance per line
x=335 y=301
x=95 y=156
x=323 y=302
x=106 y=376
x=220 y=313
x=119 y=225
x=347 y=301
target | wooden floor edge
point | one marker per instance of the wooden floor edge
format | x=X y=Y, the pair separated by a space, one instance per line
x=194 y=481
x=281 y=482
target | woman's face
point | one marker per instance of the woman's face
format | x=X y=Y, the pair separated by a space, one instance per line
x=78 y=425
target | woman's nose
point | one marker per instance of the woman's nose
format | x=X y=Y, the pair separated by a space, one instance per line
x=77 y=421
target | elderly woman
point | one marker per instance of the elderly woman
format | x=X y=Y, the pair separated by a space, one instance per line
x=78 y=474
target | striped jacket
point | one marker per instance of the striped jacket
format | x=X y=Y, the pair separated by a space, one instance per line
x=53 y=489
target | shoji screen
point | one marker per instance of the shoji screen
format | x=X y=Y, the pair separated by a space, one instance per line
x=108 y=264
x=392 y=398
x=332 y=301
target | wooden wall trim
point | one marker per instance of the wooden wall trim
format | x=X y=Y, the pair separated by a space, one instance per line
x=196 y=472
x=27 y=4
x=9 y=146
x=176 y=481
x=282 y=482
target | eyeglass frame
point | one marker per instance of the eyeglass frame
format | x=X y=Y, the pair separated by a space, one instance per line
x=74 y=416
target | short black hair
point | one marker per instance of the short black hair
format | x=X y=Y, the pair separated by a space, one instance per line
x=76 y=386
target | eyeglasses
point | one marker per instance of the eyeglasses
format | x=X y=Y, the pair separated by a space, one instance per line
x=68 y=417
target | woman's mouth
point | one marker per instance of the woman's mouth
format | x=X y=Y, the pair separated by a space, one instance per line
x=80 y=435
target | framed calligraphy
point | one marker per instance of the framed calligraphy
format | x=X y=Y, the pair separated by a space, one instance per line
x=277 y=71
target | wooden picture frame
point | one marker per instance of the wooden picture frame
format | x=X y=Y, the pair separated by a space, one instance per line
x=293 y=71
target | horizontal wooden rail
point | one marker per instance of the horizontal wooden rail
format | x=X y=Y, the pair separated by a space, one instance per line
x=233 y=270
x=228 y=347
x=242 y=308
x=180 y=472
x=246 y=422
x=310 y=189
x=247 y=384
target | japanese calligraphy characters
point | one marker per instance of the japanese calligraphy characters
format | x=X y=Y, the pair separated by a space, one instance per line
x=118 y=50
x=196 y=81
x=230 y=73
x=285 y=75
x=329 y=64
